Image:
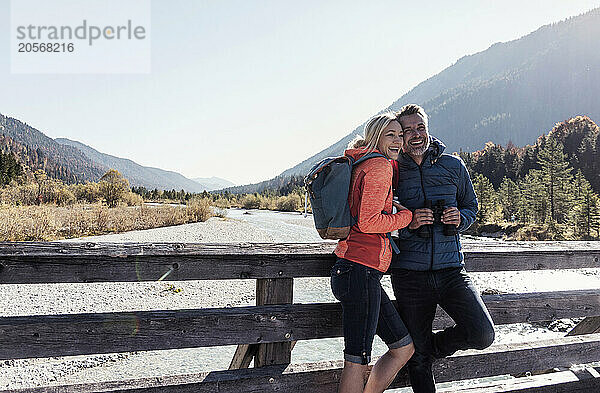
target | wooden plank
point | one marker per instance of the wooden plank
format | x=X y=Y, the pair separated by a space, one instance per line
x=557 y=382
x=75 y=334
x=323 y=377
x=72 y=334
x=81 y=269
x=492 y=261
x=274 y=291
x=542 y=306
x=33 y=262
x=587 y=326
x=122 y=249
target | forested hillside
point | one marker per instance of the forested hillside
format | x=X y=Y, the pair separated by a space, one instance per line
x=38 y=152
x=579 y=138
x=552 y=185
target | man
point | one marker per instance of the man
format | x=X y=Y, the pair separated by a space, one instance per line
x=429 y=269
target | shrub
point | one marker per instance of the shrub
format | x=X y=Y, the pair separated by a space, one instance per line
x=64 y=197
x=89 y=192
x=251 y=201
x=289 y=203
x=268 y=202
x=132 y=199
x=26 y=223
x=222 y=203
x=199 y=209
x=20 y=194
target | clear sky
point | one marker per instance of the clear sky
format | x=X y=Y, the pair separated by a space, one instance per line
x=246 y=89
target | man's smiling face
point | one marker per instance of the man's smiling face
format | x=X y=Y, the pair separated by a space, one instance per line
x=416 y=135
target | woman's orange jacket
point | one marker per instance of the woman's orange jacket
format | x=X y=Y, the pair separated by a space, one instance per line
x=370 y=196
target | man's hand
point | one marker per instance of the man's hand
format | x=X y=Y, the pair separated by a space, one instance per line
x=398 y=206
x=451 y=216
x=421 y=216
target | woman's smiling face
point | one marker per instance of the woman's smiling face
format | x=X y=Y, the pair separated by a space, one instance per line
x=390 y=141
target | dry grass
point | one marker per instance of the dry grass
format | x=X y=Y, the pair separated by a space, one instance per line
x=50 y=222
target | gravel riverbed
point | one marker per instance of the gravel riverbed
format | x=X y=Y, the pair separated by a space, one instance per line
x=239 y=226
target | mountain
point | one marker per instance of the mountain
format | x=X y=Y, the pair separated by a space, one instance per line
x=213 y=183
x=37 y=151
x=513 y=91
x=137 y=174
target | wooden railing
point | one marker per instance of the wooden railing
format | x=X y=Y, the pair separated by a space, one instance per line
x=268 y=331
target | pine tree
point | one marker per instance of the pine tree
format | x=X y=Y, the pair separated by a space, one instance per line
x=491 y=163
x=557 y=178
x=509 y=196
x=586 y=210
x=512 y=161
x=533 y=200
x=529 y=160
x=489 y=208
x=9 y=168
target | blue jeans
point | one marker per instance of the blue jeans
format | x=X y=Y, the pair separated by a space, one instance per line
x=366 y=310
x=418 y=293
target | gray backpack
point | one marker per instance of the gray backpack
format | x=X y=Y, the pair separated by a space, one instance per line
x=327 y=185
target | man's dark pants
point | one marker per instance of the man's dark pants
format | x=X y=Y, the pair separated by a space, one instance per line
x=418 y=293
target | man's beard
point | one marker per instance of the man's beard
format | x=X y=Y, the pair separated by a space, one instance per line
x=418 y=150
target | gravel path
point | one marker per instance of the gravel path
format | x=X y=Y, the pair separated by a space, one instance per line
x=258 y=226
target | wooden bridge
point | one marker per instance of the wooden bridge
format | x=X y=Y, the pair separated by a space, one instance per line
x=268 y=331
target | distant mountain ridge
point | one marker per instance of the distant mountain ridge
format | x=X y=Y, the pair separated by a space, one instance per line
x=213 y=183
x=139 y=175
x=513 y=91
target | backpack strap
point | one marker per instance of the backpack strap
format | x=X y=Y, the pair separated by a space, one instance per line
x=391 y=239
x=372 y=154
x=395 y=177
x=393 y=243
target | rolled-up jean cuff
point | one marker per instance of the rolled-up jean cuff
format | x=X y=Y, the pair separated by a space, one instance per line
x=404 y=341
x=357 y=359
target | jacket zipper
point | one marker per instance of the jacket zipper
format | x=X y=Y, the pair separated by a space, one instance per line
x=425 y=196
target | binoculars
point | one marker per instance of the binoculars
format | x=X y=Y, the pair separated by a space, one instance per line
x=438 y=210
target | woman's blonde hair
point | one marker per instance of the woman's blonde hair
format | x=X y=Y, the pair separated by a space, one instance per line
x=373 y=130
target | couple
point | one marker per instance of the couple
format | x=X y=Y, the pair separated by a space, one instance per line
x=429 y=268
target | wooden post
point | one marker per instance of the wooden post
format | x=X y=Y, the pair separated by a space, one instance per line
x=243 y=356
x=589 y=325
x=268 y=291
x=274 y=291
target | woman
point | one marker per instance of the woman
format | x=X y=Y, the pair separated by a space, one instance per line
x=364 y=256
